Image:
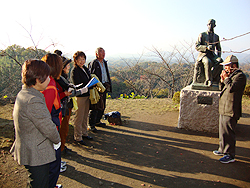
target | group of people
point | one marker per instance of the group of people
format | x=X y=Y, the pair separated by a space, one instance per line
x=43 y=107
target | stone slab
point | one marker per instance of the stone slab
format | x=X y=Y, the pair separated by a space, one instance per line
x=199 y=110
x=214 y=87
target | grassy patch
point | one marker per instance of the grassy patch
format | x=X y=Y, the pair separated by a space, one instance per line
x=6 y=126
x=133 y=106
x=245 y=102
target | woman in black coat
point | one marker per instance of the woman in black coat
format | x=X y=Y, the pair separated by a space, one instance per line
x=80 y=75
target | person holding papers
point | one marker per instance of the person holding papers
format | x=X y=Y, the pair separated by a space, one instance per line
x=80 y=75
x=99 y=67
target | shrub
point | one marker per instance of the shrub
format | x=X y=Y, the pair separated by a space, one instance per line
x=247 y=90
x=176 y=97
x=163 y=93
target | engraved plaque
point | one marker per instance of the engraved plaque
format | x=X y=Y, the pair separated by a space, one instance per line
x=205 y=100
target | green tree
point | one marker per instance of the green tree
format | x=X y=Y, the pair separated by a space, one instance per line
x=11 y=60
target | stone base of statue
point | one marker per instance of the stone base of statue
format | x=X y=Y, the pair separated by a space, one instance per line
x=199 y=86
x=199 y=110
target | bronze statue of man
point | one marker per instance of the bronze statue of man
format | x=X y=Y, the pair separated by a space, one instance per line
x=207 y=67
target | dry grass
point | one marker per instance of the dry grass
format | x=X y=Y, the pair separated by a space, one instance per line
x=133 y=106
x=245 y=103
x=6 y=126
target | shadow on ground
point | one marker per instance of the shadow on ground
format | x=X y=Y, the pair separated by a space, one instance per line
x=158 y=156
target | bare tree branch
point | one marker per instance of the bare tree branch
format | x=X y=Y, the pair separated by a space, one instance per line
x=231 y=51
x=4 y=53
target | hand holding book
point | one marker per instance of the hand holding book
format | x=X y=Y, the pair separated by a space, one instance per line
x=92 y=82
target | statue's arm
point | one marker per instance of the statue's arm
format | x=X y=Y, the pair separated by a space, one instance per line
x=218 y=47
x=200 y=46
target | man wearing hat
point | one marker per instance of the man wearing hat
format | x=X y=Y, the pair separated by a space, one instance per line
x=233 y=82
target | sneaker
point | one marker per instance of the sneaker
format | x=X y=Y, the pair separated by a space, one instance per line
x=227 y=159
x=62 y=169
x=63 y=163
x=216 y=152
x=59 y=186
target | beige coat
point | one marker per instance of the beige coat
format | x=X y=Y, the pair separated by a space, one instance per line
x=34 y=130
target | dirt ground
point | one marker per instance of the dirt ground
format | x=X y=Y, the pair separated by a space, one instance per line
x=146 y=151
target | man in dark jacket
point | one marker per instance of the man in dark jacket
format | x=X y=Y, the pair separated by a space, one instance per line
x=99 y=67
x=233 y=82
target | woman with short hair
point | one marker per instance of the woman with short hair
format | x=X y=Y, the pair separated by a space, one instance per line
x=35 y=132
x=80 y=75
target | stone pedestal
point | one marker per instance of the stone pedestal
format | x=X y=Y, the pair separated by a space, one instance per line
x=199 y=110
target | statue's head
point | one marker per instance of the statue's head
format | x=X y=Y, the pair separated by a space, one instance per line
x=211 y=24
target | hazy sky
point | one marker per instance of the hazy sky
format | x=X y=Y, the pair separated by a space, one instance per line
x=121 y=26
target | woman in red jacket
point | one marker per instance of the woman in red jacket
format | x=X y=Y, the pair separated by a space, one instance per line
x=52 y=100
